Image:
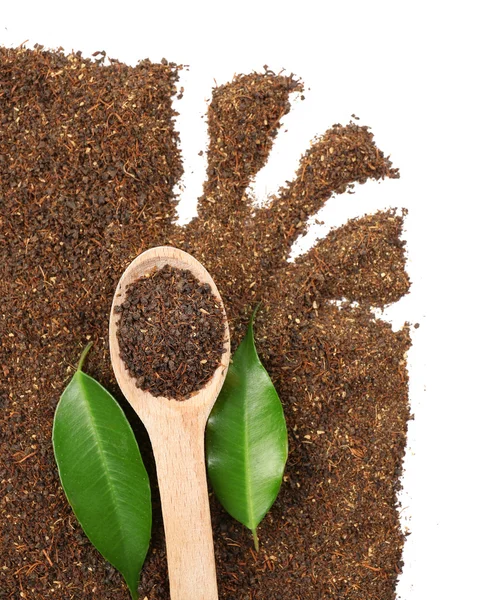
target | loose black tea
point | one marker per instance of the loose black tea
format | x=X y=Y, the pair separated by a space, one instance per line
x=171 y=332
x=88 y=158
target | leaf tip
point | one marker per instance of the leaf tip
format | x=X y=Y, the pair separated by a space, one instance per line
x=133 y=585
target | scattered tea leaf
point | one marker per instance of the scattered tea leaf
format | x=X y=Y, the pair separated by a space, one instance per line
x=180 y=344
x=246 y=439
x=103 y=475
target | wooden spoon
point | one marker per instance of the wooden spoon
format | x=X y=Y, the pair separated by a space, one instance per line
x=176 y=430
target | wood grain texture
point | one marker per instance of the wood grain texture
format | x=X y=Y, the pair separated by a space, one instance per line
x=176 y=429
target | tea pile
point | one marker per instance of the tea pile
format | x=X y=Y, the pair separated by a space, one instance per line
x=171 y=332
x=88 y=157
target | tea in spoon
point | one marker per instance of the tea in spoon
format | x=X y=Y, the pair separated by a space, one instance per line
x=176 y=427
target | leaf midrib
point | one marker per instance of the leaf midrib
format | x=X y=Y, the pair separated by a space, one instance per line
x=103 y=460
x=247 y=470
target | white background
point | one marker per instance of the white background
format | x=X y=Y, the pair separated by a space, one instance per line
x=415 y=72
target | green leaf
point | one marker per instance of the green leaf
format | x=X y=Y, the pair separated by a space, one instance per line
x=103 y=475
x=246 y=439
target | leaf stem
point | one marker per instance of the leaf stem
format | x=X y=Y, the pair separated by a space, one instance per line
x=83 y=355
x=255 y=538
x=255 y=311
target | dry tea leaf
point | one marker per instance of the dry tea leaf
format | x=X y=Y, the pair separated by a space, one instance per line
x=87 y=183
x=170 y=332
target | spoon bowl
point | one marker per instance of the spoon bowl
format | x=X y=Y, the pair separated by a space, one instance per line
x=176 y=430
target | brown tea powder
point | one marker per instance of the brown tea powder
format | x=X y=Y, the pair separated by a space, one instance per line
x=341 y=374
x=88 y=160
x=74 y=211
x=243 y=120
x=170 y=332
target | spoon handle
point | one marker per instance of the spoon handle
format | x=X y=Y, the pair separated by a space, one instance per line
x=179 y=451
